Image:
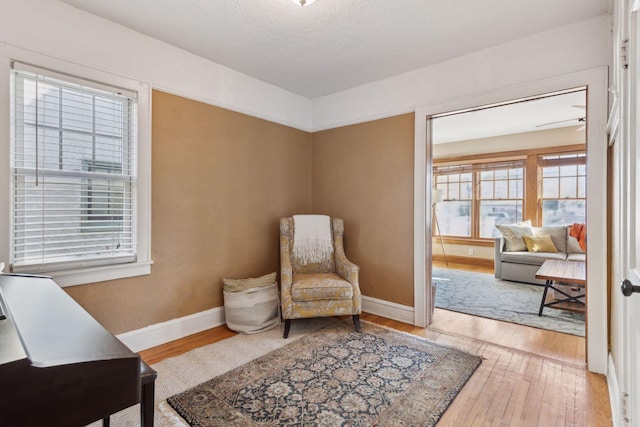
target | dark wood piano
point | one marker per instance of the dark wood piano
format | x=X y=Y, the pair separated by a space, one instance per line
x=58 y=365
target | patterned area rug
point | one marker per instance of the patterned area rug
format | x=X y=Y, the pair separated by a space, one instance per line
x=335 y=377
x=483 y=295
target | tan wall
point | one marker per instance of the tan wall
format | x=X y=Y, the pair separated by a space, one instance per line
x=364 y=174
x=221 y=180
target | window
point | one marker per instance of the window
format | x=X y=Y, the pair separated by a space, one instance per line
x=454 y=213
x=104 y=201
x=500 y=199
x=477 y=196
x=563 y=189
x=73 y=173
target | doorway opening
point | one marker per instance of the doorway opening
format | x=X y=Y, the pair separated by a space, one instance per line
x=503 y=165
x=508 y=192
x=596 y=81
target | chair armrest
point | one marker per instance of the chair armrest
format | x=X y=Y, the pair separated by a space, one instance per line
x=345 y=268
x=349 y=272
x=286 y=276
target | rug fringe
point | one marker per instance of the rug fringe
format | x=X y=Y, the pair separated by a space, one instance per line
x=172 y=416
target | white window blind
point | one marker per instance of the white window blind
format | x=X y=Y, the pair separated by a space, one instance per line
x=73 y=167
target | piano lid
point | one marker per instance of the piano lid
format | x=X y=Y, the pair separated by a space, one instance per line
x=52 y=327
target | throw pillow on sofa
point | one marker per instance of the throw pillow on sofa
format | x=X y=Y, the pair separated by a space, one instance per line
x=558 y=234
x=573 y=247
x=513 y=235
x=540 y=244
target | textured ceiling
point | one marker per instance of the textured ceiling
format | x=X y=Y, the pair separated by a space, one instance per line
x=334 y=45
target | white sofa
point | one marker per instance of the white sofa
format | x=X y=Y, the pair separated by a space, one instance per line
x=521 y=266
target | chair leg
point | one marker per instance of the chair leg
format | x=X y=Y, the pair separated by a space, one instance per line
x=287 y=327
x=356 y=322
x=106 y=422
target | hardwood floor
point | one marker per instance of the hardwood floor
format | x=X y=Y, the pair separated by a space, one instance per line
x=528 y=377
x=183 y=345
x=569 y=349
x=526 y=386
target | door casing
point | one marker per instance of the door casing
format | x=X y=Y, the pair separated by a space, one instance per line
x=596 y=81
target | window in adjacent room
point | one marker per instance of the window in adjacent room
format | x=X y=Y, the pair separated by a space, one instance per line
x=500 y=198
x=454 y=212
x=564 y=193
x=73 y=173
x=477 y=196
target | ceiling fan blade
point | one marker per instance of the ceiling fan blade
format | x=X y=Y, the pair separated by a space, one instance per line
x=580 y=119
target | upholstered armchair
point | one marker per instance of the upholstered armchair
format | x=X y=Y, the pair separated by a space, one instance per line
x=323 y=289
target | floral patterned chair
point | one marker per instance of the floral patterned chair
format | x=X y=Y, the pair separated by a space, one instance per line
x=328 y=288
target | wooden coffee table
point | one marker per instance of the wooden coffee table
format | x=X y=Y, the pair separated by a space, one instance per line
x=563 y=272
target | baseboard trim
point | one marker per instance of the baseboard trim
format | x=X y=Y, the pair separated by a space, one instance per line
x=171 y=330
x=162 y=333
x=390 y=310
x=455 y=259
x=614 y=392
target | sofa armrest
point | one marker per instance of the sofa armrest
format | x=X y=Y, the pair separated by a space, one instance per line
x=498 y=247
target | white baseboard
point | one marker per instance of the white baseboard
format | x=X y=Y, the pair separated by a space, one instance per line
x=390 y=310
x=614 y=392
x=161 y=333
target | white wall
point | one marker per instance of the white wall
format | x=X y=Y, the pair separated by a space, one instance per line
x=576 y=47
x=61 y=31
x=450 y=249
x=517 y=141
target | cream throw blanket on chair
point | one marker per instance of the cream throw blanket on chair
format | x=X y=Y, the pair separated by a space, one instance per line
x=312 y=238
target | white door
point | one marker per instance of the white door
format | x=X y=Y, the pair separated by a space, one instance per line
x=630 y=224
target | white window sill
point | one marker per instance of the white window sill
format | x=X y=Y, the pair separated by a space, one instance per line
x=100 y=274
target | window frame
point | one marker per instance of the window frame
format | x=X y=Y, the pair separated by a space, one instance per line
x=479 y=199
x=476 y=168
x=142 y=220
x=532 y=200
x=446 y=195
x=564 y=159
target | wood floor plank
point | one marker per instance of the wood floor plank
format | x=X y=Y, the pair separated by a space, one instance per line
x=175 y=348
x=518 y=398
x=509 y=382
x=482 y=406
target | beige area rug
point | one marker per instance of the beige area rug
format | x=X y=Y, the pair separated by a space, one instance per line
x=324 y=374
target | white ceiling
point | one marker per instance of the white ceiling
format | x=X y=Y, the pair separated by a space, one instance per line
x=562 y=110
x=334 y=45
